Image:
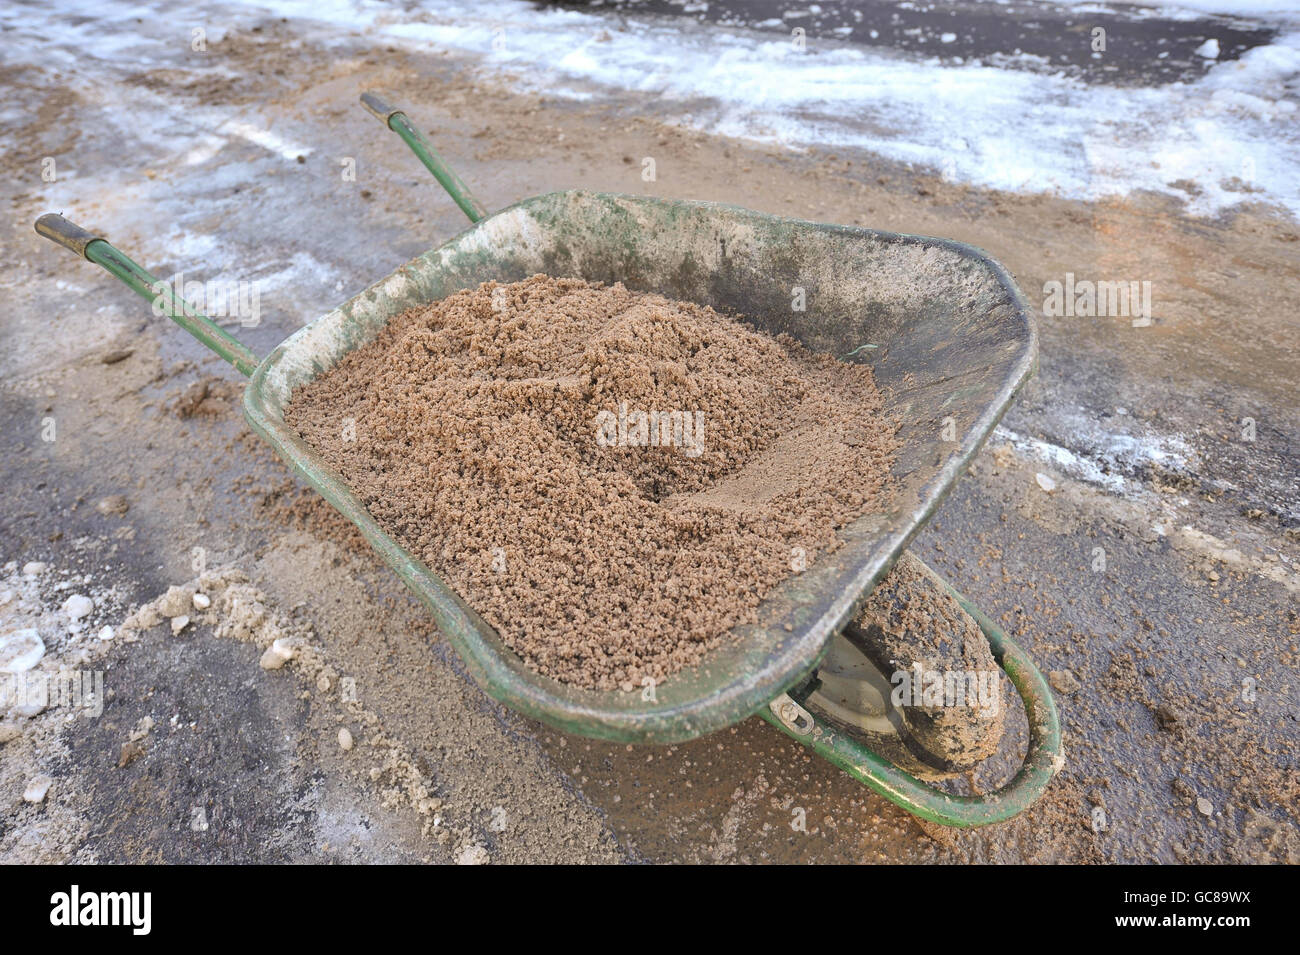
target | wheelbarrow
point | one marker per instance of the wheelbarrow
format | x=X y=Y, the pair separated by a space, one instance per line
x=948 y=335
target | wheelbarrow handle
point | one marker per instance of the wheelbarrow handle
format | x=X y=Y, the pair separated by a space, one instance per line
x=1041 y=763
x=400 y=123
x=67 y=234
x=95 y=248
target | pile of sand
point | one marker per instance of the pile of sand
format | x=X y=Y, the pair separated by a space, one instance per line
x=613 y=480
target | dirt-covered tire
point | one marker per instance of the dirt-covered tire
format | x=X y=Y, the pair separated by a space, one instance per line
x=913 y=678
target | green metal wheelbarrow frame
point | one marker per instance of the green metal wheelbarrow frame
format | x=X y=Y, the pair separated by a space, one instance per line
x=947 y=332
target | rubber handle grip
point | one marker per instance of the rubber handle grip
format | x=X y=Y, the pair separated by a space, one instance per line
x=67 y=234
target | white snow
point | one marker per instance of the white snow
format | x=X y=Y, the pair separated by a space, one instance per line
x=1189 y=9
x=1102 y=454
x=1233 y=132
x=20 y=650
x=265 y=138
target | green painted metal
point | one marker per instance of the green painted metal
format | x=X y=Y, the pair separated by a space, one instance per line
x=158 y=293
x=955 y=340
x=400 y=123
x=944 y=327
x=958 y=344
x=1042 y=759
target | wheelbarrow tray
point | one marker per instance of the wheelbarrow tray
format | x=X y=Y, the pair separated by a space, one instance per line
x=946 y=332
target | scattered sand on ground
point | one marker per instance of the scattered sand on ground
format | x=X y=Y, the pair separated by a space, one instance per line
x=47 y=693
x=507 y=436
x=999 y=538
x=403 y=775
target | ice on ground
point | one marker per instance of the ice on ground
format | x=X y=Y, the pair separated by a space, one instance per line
x=1105 y=456
x=1231 y=136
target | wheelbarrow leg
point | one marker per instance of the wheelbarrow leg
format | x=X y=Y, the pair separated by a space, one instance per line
x=1041 y=763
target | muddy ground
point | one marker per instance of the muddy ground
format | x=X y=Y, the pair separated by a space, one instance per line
x=1179 y=704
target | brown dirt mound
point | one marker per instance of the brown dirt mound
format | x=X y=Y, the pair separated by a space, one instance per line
x=613 y=480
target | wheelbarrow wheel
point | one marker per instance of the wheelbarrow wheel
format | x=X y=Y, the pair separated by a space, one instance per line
x=912 y=678
x=845 y=748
